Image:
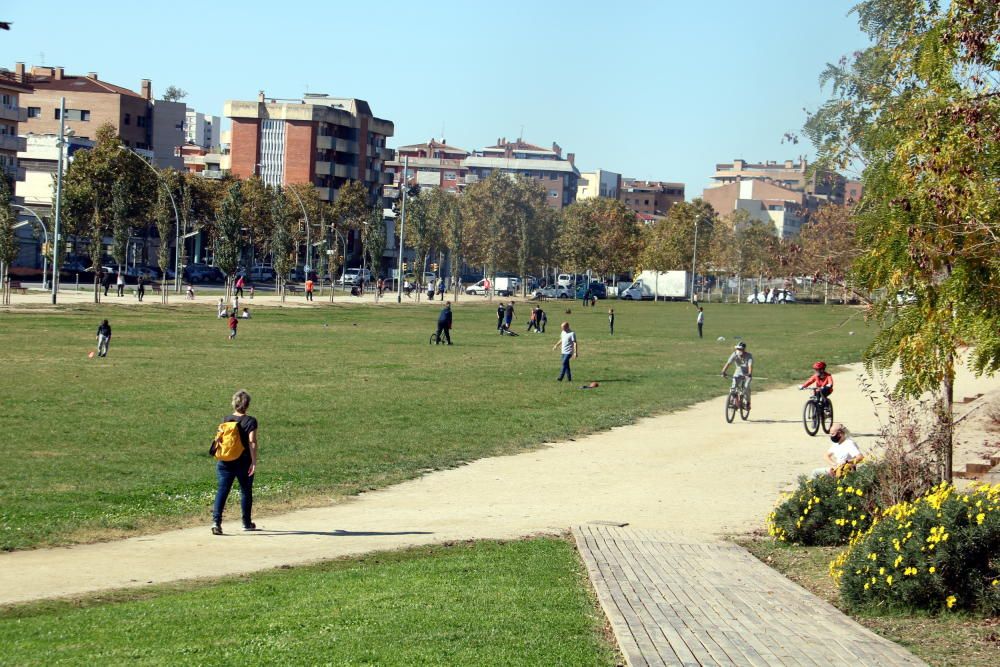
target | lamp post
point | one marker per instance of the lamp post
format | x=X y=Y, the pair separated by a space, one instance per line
x=694 y=257
x=177 y=219
x=59 y=177
x=45 y=235
x=305 y=214
x=333 y=283
x=402 y=232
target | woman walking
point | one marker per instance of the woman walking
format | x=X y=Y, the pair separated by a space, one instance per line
x=240 y=469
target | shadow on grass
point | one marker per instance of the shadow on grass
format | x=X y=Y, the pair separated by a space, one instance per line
x=336 y=533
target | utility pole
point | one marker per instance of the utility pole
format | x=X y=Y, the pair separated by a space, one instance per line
x=402 y=233
x=59 y=177
x=694 y=258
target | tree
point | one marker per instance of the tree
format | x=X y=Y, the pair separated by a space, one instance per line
x=600 y=234
x=228 y=234
x=121 y=229
x=669 y=242
x=453 y=232
x=282 y=249
x=163 y=215
x=919 y=111
x=373 y=240
x=174 y=94
x=8 y=242
x=830 y=245
x=490 y=235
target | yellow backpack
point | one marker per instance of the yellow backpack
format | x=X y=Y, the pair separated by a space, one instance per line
x=227 y=445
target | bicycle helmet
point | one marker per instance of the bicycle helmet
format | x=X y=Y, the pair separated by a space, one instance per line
x=740 y=346
x=819 y=366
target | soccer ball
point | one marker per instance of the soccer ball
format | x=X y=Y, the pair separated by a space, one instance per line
x=721 y=339
x=850 y=333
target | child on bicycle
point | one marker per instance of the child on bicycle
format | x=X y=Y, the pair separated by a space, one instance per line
x=743 y=362
x=821 y=381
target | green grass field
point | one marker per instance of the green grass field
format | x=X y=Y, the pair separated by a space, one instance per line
x=487 y=603
x=349 y=398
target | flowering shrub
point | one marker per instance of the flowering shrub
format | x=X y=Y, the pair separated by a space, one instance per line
x=826 y=510
x=939 y=552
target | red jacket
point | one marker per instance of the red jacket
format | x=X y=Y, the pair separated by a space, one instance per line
x=819 y=382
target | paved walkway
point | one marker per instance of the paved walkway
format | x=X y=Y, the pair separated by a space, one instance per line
x=676 y=601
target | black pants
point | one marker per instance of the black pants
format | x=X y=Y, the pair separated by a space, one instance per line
x=309 y=295
x=443 y=328
x=142 y=292
x=700 y=324
x=239 y=292
x=121 y=290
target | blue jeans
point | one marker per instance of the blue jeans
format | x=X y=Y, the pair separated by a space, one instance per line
x=565 y=368
x=228 y=472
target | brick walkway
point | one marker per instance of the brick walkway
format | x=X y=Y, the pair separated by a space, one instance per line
x=674 y=601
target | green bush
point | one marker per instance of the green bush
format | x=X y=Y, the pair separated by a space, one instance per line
x=939 y=552
x=826 y=510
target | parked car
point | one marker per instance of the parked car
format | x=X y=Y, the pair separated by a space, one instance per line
x=353 y=275
x=554 y=292
x=564 y=280
x=502 y=287
x=905 y=298
x=203 y=273
x=261 y=274
x=597 y=289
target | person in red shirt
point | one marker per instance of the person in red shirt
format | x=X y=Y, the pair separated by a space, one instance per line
x=821 y=381
x=233 y=323
x=309 y=289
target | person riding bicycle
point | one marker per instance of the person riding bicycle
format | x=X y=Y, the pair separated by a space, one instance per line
x=743 y=364
x=820 y=380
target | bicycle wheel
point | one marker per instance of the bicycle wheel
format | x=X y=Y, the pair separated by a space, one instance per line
x=827 y=416
x=744 y=407
x=731 y=402
x=810 y=418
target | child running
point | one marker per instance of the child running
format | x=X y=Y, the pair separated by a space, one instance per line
x=233 y=323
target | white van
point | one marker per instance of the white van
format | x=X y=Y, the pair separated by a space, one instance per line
x=564 y=280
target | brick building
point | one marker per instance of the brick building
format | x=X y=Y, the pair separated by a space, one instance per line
x=653 y=198
x=557 y=175
x=12 y=118
x=318 y=139
x=431 y=164
x=767 y=201
x=140 y=121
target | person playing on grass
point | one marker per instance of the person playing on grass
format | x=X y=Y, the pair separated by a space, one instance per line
x=444 y=324
x=842 y=452
x=246 y=314
x=190 y=292
x=701 y=320
x=221 y=308
x=242 y=469
x=140 y=290
x=103 y=338
x=500 y=314
x=240 y=282
x=611 y=321
x=533 y=319
x=743 y=362
x=233 y=323
x=570 y=350
x=309 y=289
x=508 y=317
x=121 y=283
x=542 y=318
x=821 y=380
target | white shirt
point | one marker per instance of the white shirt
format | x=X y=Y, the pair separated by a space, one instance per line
x=568 y=338
x=701 y=317
x=844 y=451
x=742 y=365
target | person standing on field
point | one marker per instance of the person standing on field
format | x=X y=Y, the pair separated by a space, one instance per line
x=500 y=314
x=701 y=320
x=233 y=323
x=611 y=320
x=141 y=289
x=240 y=282
x=570 y=349
x=121 y=284
x=103 y=338
x=241 y=470
x=309 y=289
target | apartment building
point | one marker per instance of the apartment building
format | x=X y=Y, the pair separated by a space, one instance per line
x=318 y=139
x=12 y=118
x=432 y=164
x=202 y=129
x=766 y=201
x=557 y=175
x=140 y=121
x=598 y=183
x=650 y=198
x=823 y=185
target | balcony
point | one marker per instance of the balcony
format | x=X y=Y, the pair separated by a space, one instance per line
x=345 y=171
x=387 y=154
x=324 y=143
x=14 y=173
x=211 y=173
x=326 y=194
x=14 y=143
x=385 y=178
x=323 y=168
x=16 y=114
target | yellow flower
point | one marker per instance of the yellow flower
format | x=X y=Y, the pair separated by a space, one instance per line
x=888 y=580
x=951 y=601
x=931 y=569
x=980 y=518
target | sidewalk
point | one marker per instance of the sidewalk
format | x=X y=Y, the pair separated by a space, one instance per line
x=687 y=472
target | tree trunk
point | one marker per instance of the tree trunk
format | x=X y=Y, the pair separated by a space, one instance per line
x=97 y=289
x=739 y=289
x=948 y=419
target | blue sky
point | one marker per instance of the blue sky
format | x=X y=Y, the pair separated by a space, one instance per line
x=655 y=90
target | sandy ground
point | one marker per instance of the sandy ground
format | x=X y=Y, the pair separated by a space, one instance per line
x=688 y=472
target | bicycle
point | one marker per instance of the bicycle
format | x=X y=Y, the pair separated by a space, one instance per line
x=737 y=400
x=817 y=412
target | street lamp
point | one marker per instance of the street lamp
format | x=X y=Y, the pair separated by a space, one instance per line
x=308 y=265
x=177 y=217
x=694 y=257
x=45 y=235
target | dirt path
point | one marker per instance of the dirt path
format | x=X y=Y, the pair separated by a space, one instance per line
x=687 y=472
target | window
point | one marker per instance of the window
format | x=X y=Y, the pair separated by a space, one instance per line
x=645 y=202
x=128 y=119
x=553 y=193
x=141 y=121
x=34 y=112
x=449 y=176
x=55 y=114
x=84 y=114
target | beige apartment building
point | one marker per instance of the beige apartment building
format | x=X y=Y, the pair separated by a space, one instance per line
x=784 y=208
x=598 y=183
x=789 y=174
x=650 y=198
x=140 y=121
x=318 y=139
